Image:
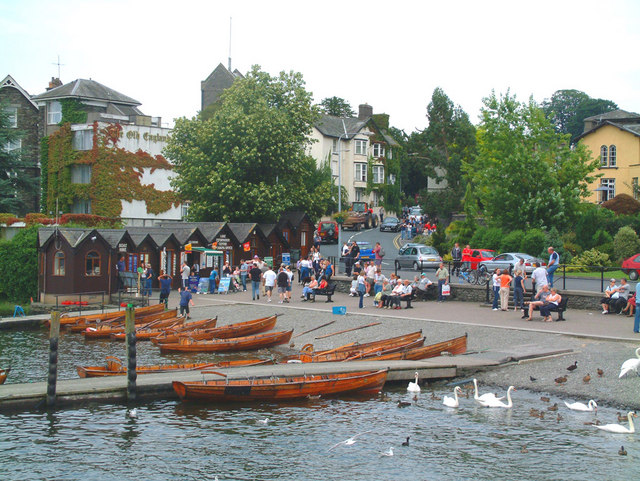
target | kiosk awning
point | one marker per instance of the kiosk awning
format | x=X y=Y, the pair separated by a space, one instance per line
x=208 y=252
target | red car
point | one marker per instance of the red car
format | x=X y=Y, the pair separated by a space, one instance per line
x=479 y=255
x=631 y=266
x=328 y=231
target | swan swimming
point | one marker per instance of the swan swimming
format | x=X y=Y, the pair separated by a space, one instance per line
x=497 y=403
x=452 y=402
x=619 y=428
x=414 y=386
x=592 y=406
x=388 y=452
x=630 y=364
x=484 y=397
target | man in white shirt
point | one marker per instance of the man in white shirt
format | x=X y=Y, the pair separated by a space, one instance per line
x=269 y=281
x=496 y=288
x=539 y=277
x=394 y=301
x=185 y=272
x=406 y=293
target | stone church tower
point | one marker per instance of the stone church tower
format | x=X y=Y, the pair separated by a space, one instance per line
x=218 y=80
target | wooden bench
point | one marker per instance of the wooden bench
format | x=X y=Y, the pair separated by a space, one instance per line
x=327 y=291
x=408 y=299
x=560 y=308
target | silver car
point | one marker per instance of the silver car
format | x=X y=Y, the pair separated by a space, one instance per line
x=418 y=257
x=508 y=260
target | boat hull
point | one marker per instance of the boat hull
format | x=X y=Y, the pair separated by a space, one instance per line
x=247 y=343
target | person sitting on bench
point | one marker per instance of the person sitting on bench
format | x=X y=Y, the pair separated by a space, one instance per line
x=407 y=293
x=393 y=300
x=541 y=297
x=307 y=290
x=552 y=300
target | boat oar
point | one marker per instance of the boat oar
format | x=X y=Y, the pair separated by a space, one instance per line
x=349 y=330
x=214 y=372
x=314 y=329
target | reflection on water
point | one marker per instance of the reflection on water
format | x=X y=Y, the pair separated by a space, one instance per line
x=170 y=440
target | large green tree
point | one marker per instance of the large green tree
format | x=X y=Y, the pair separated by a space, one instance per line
x=525 y=173
x=440 y=149
x=567 y=110
x=249 y=160
x=15 y=179
x=337 y=107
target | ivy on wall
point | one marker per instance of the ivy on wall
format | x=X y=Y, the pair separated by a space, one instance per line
x=116 y=174
x=72 y=112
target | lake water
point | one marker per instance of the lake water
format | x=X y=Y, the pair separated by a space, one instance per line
x=175 y=440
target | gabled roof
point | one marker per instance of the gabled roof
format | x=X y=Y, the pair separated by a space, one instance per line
x=8 y=81
x=77 y=235
x=268 y=229
x=331 y=126
x=295 y=218
x=242 y=230
x=614 y=115
x=209 y=229
x=222 y=72
x=633 y=129
x=86 y=89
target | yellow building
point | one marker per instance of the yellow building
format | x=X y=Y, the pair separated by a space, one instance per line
x=614 y=138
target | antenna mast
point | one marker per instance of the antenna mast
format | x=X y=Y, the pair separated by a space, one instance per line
x=230 y=43
x=60 y=64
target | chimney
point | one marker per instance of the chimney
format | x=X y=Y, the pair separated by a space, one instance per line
x=365 y=111
x=55 y=82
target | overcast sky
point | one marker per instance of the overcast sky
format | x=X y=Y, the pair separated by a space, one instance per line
x=390 y=55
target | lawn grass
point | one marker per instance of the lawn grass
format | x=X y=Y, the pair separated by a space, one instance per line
x=615 y=272
x=8 y=308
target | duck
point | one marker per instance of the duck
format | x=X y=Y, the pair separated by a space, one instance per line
x=524 y=449
x=559 y=418
x=132 y=413
x=592 y=423
x=403 y=404
x=621 y=418
x=561 y=379
x=452 y=402
x=406 y=443
x=553 y=408
x=573 y=367
x=534 y=413
x=484 y=397
x=630 y=364
x=414 y=386
x=388 y=452
x=545 y=399
x=622 y=451
x=590 y=406
x=434 y=397
x=497 y=403
x=600 y=372
x=619 y=428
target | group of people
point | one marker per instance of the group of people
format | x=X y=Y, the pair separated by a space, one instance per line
x=618 y=298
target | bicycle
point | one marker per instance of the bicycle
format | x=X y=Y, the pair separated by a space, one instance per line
x=468 y=275
x=483 y=275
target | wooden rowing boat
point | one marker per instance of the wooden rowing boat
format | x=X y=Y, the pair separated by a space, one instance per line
x=3 y=374
x=104 y=330
x=247 y=343
x=239 y=329
x=115 y=367
x=369 y=345
x=354 y=353
x=457 y=345
x=140 y=311
x=148 y=333
x=280 y=388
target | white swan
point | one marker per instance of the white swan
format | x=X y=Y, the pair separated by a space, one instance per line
x=485 y=397
x=452 y=402
x=388 y=452
x=619 y=428
x=630 y=364
x=496 y=403
x=414 y=386
x=592 y=406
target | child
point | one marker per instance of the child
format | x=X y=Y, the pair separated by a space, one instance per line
x=631 y=306
x=353 y=290
x=185 y=300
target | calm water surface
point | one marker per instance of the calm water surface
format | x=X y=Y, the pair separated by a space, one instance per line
x=174 y=440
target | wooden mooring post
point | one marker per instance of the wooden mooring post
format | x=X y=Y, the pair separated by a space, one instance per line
x=130 y=330
x=52 y=378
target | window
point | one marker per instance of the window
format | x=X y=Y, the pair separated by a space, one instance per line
x=334 y=168
x=81 y=174
x=81 y=206
x=334 y=147
x=54 y=112
x=12 y=145
x=608 y=191
x=378 y=150
x=83 y=139
x=303 y=239
x=392 y=179
x=361 y=147
x=361 y=172
x=185 y=209
x=92 y=264
x=375 y=198
x=612 y=156
x=58 y=264
x=359 y=195
x=390 y=154
x=634 y=187
x=378 y=174
x=604 y=158
x=12 y=119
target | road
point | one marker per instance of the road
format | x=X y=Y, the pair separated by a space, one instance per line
x=391 y=242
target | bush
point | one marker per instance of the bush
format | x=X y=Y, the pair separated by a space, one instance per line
x=592 y=257
x=593 y=218
x=626 y=243
x=423 y=239
x=601 y=237
x=606 y=248
x=492 y=239
x=19 y=266
x=37 y=218
x=512 y=241
x=90 y=220
x=534 y=243
x=477 y=240
x=8 y=219
x=622 y=204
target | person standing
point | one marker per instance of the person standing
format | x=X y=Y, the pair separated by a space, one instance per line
x=290 y=286
x=121 y=267
x=456 y=254
x=442 y=274
x=165 y=288
x=213 y=278
x=282 y=281
x=361 y=289
x=269 y=281
x=466 y=257
x=185 y=271
x=505 y=283
x=381 y=214
x=255 y=274
x=244 y=272
x=148 y=276
x=379 y=254
x=518 y=291
x=495 y=282
x=636 y=322
x=539 y=277
x=554 y=260
x=185 y=299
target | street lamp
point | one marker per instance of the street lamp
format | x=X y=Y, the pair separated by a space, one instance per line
x=346 y=134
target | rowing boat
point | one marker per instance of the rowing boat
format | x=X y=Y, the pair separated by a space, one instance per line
x=104 y=330
x=247 y=343
x=356 y=352
x=3 y=374
x=148 y=333
x=280 y=388
x=239 y=329
x=368 y=345
x=457 y=345
x=115 y=367
x=105 y=316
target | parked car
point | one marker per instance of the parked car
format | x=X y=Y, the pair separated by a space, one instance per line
x=328 y=231
x=480 y=255
x=366 y=251
x=391 y=224
x=418 y=257
x=415 y=212
x=508 y=260
x=631 y=267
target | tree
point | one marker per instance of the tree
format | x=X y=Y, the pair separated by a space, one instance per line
x=15 y=178
x=526 y=173
x=567 y=110
x=337 y=107
x=248 y=161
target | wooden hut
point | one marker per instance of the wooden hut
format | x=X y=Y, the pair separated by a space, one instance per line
x=298 y=229
x=251 y=241
x=278 y=244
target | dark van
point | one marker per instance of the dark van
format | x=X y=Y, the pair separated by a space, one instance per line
x=328 y=231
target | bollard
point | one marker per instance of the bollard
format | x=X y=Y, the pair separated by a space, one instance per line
x=52 y=378
x=130 y=330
